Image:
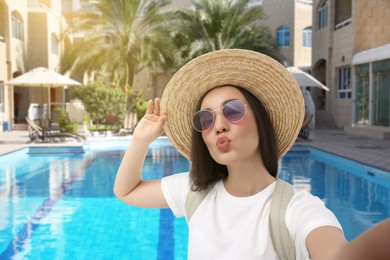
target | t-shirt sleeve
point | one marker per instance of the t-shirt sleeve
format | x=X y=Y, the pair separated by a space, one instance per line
x=305 y=213
x=175 y=188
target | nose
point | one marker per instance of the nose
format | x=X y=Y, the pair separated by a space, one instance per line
x=220 y=124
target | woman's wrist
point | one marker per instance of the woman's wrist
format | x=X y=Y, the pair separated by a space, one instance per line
x=140 y=142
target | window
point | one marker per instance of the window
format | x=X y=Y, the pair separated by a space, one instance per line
x=323 y=15
x=306 y=37
x=54 y=44
x=284 y=37
x=344 y=82
x=17 y=27
x=255 y=2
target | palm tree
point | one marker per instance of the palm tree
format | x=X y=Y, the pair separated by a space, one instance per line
x=221 y=24
x=120 y=37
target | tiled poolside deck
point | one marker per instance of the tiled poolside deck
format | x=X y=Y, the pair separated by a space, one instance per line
x=369 y=151
x=373 y=152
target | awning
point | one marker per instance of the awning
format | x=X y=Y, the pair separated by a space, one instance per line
x=371 y=55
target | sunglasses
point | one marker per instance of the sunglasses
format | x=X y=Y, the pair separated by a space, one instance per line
x=233 y=111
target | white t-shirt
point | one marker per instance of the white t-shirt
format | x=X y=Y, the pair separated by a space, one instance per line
x=228 y=227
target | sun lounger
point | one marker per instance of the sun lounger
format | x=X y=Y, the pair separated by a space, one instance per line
x=45 y=135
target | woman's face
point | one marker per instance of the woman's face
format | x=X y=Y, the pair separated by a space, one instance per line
x=230 y=142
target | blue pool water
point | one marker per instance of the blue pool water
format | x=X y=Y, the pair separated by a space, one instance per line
x=61 y=206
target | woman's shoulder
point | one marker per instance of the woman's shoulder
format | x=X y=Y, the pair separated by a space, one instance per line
x=181 y=176
x=175 y=188
x=303 y=196
x=177 y=180
x=307 y=209
x=303 y=199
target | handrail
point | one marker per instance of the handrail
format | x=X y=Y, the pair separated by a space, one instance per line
x=343 y=24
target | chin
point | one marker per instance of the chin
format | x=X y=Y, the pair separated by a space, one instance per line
x=223 y=158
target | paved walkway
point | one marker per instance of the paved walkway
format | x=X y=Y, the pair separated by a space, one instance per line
x=16 y=140
x=369 y=151
x=372 y=152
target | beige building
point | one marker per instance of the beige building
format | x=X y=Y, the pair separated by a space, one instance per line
x=30 y=36
x=351 y=55
x=291 y=24
x=13 y=54
x=290 y=21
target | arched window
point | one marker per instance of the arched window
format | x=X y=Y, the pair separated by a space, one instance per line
x=284 y=37
x=306 y=37
x=17 y=27
x=53 y=44
x=322 y=15
x=2 y=24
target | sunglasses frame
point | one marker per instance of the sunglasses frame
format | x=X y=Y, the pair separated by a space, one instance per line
x=222 y=108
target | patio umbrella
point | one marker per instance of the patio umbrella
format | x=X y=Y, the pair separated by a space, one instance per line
x=305 y=79
x=44 y=78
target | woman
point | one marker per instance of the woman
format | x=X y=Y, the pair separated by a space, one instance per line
x=234 y=114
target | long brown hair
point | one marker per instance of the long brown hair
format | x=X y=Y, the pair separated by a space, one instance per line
x=205 y=170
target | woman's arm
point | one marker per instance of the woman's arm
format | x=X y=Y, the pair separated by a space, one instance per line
x=324 y=242
x=329 y=243
x=129 y=186
x=371 y=244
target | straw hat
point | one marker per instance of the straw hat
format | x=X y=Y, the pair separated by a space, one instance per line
x=261 y=75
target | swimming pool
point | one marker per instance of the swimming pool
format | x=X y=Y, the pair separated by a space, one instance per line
x=61 y=206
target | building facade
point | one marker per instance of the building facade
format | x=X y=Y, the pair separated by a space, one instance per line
x=13 y=52
x=351 y=55
x=290 y=22
x=31 y=36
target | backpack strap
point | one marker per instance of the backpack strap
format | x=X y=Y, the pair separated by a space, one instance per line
x=193 y=200
x=281 y=239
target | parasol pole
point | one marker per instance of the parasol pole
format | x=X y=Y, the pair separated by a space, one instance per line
x=48 y=102
x=42 y=109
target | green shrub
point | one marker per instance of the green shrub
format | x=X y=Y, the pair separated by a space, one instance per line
x=141 y=109
x=64 y=122
x=101 y=99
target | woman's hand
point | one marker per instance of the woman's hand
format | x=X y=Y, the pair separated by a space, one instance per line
x=150 y=127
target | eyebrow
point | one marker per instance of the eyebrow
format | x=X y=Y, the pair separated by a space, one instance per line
x=222 y=104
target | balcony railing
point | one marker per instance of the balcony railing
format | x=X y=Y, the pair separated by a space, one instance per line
x=343 y=24
x=308 y=2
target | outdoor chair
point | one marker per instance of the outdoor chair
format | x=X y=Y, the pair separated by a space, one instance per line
x=45 y=135
x=129 y=124
x=111 y=122
x=305 y=131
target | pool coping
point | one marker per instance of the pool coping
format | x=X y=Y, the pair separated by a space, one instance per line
x=369 y=151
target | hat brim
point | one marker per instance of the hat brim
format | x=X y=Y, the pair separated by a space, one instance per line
x=261 y=75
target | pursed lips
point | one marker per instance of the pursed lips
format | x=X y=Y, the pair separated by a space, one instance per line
x=223 y=143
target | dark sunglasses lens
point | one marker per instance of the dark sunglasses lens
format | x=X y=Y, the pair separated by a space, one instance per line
x=234 y=110
x=203 y=120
